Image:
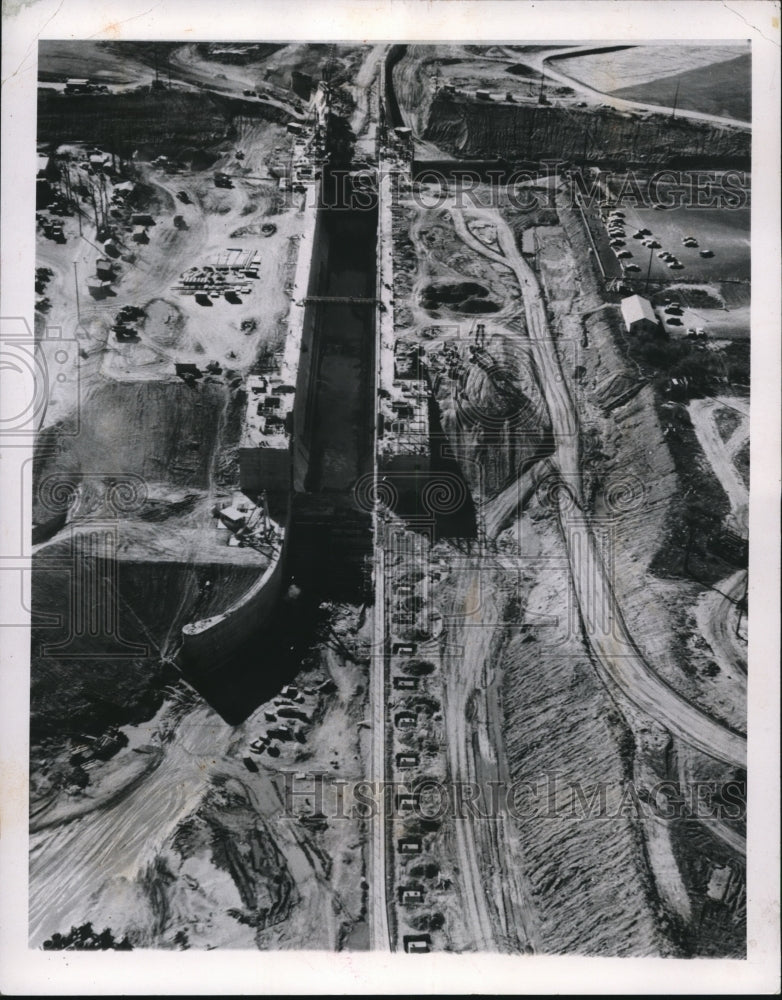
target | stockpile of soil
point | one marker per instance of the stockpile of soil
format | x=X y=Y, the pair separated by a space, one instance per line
x=461 y=296
x=587 y=873
x=412 y=85
x=226 y=833
x=499 y=424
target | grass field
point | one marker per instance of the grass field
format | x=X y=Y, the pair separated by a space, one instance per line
x=712 y=78
x=723 y=88
x=98 y=61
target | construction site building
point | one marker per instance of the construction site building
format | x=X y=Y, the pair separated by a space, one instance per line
x=403 y=420
x=640 y=317
x=264 y=449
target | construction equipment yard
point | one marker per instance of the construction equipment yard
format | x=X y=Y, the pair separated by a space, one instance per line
x=419 y=472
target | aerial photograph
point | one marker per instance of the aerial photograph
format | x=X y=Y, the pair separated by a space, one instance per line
x=390 y=497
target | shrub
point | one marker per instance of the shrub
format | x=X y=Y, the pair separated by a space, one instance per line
x=85 y=938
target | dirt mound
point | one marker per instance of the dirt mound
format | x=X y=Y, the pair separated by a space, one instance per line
x=519 y=69
x=229 y=832
x=497 y=422
x=478 y=305
x=460 y=296
x=564 y=737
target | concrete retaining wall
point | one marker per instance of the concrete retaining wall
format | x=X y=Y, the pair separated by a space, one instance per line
x=264 y=469
x=207 y=643
x=305 y=319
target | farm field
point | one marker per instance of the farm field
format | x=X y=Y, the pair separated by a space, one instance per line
x=723 y=88
x=716 y=78
x=60 y=59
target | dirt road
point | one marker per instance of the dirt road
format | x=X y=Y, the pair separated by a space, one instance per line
x=70 y=862
x=490 y=874
x=717 y=615
x=721 y=454
x=618 y=659
x=362 y=124
x=227 y=79
x=379 y=938
x=544 y=63
x=717 y=612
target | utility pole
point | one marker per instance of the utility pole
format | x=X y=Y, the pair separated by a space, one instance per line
x=94 y=206
x=741 y=603
x=77 y=203
x=690 y=540
x=675 y=99
x=76 y=288
x=649 y=271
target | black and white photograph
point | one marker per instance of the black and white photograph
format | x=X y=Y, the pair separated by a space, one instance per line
x=385 y=579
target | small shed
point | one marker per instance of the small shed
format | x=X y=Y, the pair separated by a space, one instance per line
x=640 y=317
x=410 y=894
x=47 y=168
x=719 y=882
x=232 y=517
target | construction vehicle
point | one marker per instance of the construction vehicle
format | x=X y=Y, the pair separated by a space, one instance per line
x=99 y=748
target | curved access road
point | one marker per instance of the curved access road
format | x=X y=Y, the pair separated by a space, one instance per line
x=231 y=81
x=377 y=911
x=545 y=62
x=618 y=659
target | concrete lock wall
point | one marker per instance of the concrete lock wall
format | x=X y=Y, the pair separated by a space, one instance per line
x=264 y=469
x=206 y=643
x=305 y=388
